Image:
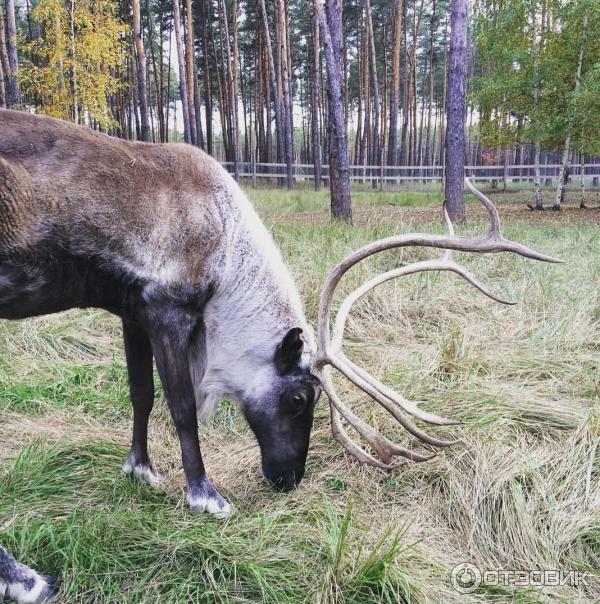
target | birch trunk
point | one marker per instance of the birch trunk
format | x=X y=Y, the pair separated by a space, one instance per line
x=455 y=110
x=582 y=180
x=3 y=61
x=14 y=93
x=537 y=180
x=4 y=66
x=564 y=167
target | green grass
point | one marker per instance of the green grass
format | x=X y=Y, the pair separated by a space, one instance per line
x=272 y=201
x=521 y=489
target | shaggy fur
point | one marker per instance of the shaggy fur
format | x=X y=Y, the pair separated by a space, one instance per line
x=121 y=203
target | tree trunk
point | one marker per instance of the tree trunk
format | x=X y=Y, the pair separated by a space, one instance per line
x=232 y=99
x=235 y=76
x=359 y=118
x=433 y=21
x=285 y=87
x=198 y=112
x=417 y=16
x=141 y=69
x=315 y=89
x=156 y=71
x=564 y=168
x=3 y=61
x=183 y=85
x=537 y=180
x=168 y=103
x=74 y=86
x=190 y=68
x=374 y=87
x=395 y=84
x=330 y=20
x=4 y=65
x=2 y=88
x=406 y=91
x=582 y=180
x=272 y=76
x=207 y=79
x=537 y=177
x=455 y=110
x=14 y=92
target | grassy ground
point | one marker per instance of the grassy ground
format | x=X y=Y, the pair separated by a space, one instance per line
x=521 y=489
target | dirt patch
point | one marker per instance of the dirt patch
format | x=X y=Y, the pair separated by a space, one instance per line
x=512 y=210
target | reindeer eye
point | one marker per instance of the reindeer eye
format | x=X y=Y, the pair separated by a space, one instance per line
x=300 y=399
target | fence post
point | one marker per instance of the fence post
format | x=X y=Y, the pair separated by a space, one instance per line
x=382 y=168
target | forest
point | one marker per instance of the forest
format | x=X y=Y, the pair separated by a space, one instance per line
x=246 y=80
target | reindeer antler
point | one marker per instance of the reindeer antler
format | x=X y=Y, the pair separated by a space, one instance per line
x=329 y=348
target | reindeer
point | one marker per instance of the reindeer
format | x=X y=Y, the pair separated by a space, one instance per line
x=161 y=236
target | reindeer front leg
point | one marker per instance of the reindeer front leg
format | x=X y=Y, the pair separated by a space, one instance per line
x=23 y=584
x=138 y=352
x=172 y=331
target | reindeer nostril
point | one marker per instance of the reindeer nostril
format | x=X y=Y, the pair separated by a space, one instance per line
x=284 y=482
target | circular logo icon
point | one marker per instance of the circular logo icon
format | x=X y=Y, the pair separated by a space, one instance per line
x=465 y=577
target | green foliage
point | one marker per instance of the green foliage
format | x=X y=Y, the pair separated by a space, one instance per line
x=71 y=68
x=528 y=51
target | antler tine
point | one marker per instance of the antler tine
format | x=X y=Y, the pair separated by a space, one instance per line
x=489 y=206
x=505 y=245
x=385 y=448
x=445 y=264
x=440 y=264
x=387 y=403
x=329 y=350
x=447 y=220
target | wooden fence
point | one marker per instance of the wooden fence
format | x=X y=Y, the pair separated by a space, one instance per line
x=422 y=177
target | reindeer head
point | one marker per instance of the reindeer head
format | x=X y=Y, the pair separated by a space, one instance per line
x=283 y=420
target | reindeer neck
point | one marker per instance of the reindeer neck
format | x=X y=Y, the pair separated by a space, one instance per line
x=256 y=301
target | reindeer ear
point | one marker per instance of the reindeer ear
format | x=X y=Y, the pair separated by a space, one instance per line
x=288 y=353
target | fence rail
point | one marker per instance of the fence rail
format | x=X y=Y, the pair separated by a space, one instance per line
x=426 y=176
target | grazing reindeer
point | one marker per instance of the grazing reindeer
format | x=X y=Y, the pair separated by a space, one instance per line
x=163 y=237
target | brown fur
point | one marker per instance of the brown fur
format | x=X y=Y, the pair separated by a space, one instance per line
x=107 y=196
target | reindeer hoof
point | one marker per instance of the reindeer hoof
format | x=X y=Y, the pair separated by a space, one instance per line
x=143 y=472
x=204 y=498
x=34 y=589
x=52 y=585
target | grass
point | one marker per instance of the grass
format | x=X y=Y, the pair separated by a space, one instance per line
x=305 y=200
x=521 y=489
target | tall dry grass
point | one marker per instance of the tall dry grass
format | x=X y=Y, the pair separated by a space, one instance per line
x=519 y=491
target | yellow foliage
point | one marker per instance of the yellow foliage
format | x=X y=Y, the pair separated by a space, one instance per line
x=74 y=67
